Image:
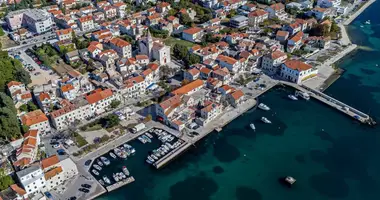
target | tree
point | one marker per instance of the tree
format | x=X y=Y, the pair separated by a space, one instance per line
x=9 y=126
x=232 y=13
x=6 y=101
x=32 y=106
x=11 y=70
x=180 y=51
x=185 y=19
x=23 y=108
x=185 y=82
x=110 y=121
x=115 y=103
x=192 y=59
x=24 y=128
x=1 y=32
x=172 y=12
x=209 y=38
x=5 y=180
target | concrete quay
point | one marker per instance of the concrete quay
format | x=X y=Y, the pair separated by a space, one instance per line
x=120 y=184
x=170 y=156
x=357 y=13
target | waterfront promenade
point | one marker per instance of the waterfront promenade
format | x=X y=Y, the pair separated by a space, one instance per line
x=358 y=12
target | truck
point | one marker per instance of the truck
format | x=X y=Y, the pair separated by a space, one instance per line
x=138 y=128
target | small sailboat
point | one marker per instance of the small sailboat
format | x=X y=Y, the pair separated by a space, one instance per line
x=265 y=120
x=126 y=171
x=106 y=179
x=292 y=97
x=97 y=167
x=113 y=155
x=263 y=107
x=95 y=172
x=252 y=126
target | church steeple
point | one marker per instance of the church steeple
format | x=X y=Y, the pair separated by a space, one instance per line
x=149 y=44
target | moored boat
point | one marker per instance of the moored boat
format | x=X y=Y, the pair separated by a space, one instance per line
x=303 y=95
x=263 y=107
x=106 y=179
x=148 y=161
x=105 y=160
x=149 y=135
x=101 y=182
x=147 y=138
x=97 y=167
x=265 y=120
x=126 y=171
x=95 y=172
x=113 y=155
x=115 y=177
x=252 y=126
x=142 y=140
x=150 y=158
x=292 y=97
x=99 y=163
x=123 y=176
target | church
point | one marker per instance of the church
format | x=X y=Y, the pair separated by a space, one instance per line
x=155 y=49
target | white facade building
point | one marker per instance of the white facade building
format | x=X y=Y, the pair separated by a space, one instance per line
x=272 y=61
x=297 y=71
x=32 y=179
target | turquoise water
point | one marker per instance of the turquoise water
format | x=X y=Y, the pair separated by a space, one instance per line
x=330 y=155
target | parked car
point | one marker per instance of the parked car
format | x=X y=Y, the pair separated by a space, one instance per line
x=84 y=190
x=87 y=163
x=86 y=185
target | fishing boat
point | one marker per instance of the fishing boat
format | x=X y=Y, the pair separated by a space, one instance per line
x=126 y=171
x=101 y=182
x=263 y=107
x=105 y=160
x=99 y=163
x=265 y=120
x=149 y=135
x=106 y=179
x=252 y=126
x=292 y=97
x=303 y=95
x=95 y=172
x=115 y=177
x=113 y=155
x=97 y=167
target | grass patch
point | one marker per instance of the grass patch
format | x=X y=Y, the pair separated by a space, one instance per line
x=79 y=140
x=171 y=41
x=92 y=127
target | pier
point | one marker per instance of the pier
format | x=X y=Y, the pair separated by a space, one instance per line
x=340 y=106
x=120 y=184
x=171 y=155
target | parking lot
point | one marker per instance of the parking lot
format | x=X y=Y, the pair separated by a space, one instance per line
x=38 y=75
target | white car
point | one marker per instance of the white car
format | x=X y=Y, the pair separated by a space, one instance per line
x=56 y=146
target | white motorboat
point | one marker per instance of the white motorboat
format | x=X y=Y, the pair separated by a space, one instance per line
x=126 y=171
x=368 y=22
x=115 y=177
x=123 y=176
x=105 y=160
x=148 y=161
x=113 y=155
x=292 y=97
x=97 y=167
x=101 y=182
x=263 y=107
x=149 y=135
x=150 y=158
x=153 y=156
x=303 y=95
x=142 y=140
x=146 y=138
x=99 y=163
x=265 y=120
x=252 y=126
x=95 y=172
x=106 y=179
x=155 y=152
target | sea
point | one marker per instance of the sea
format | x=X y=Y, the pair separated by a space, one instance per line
x=331 y=155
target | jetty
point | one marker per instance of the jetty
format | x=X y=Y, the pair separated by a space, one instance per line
x=171 y=155
x=340 y=106
x=120 y=184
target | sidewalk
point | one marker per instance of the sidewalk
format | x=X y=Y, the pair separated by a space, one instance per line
x=357 y=13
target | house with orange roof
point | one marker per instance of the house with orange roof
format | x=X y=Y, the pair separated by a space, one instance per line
x=295 y=42
x=108 y=58
x=68 y=91
x=191 y=74
x=235 y=98
x=32 y=179
x=20 y=192
x=277 y=10
x=282 y=36
x=122 y=47
x=173 y=20
x=226 y=89
x=148 y=76
x=297 y=71
x=205 y=72
x=222 y=75
x=319 y=13
x=69 y=114
x=19 y=93
x=230 y=63
x=102 y=35
x=120 y=9
x=153 y=19
x=100 y=100
x=208 y=113
x=26 y=154
x=167 y=108
x=256 y=17
x=293 y=28
x=64 y=34
x=271 y=61
x=188 y=11
x=86 y=23
x=163 y=7
x=193 y=34
x=110 y=12
x=189 y=88
x=36 y=120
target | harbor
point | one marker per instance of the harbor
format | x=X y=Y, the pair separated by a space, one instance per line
x=120 y=184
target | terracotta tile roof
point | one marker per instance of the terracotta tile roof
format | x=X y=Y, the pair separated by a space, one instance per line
x=119 y=42
x=18 y=189
x=178 y=122
x=277 y=54
x=237 y=94
x=209 y=107
x=282 y=33
x=154 y=16
x=170 y=101
x=221 y=72
x=50 y=161
x=62 y=111
x=228 y=88
x=257 y=13
x=227 y=59
x=193 y=30
x=277 y=6
x=153 y=66
x=205 y=70
x=171 y=18
x=53 y=172
x=118 y=4
x=33 y=117
x=26 y=96
x=141 y=57
x=164 y=4
x=146 y=72
x=85 y=19
x=30 y=142
x=67 y=88
x=193 y=71
x=64 y=31
x=13 y=83
x=98 y=95
x=297 y=65
x=320 y=9
x=22 y=162
x=297 y=37
x=188 y=87
x=91 y=48
x=31 y=133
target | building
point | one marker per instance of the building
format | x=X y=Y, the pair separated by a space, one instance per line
x=36 y=20
x=19 y=93
x=189 y=88
x=86 y=23
x=297 y=71
x=256 y=17
x=318 y=13
x=235 y=98
x=32 y=179
x=134 y=87
x=282 y=36
x=271 y=62
x=277 y=10
x=208 y=113
x=64 y=34
x=36 y=120
x=192 y=34
x=230 y=63
x=295 y=42
x=155 y=49
x=328 y=3
x=70 y=113
x=27 y=153
x=100 y=100
x=239 y=21
x=122 y=47
x=191 y=74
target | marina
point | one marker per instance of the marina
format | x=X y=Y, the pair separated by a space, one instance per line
x=120 y=184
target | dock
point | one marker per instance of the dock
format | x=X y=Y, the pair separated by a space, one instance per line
x=340 y=106
x=120 y=184
x=171 y=155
